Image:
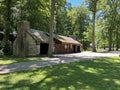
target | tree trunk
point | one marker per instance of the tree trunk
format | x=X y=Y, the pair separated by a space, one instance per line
x=110 y=38
x=93 y=33
x=7 y=17
x=117 y=40
x=113 y=46
x=51 y=45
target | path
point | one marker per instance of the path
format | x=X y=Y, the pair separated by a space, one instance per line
x=58 y=59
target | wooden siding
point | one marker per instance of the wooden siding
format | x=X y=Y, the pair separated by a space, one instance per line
x=66 y=48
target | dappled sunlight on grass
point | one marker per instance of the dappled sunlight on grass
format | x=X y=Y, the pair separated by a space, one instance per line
x=116 y=81
x=91 y=70
x=98 y=74
x=10 y=60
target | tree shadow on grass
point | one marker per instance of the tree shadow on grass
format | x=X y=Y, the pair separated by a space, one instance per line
x=11 y=60
x=99 y=74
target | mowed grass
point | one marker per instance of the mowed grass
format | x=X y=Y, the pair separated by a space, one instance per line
x=11 y=60
x=98 y=74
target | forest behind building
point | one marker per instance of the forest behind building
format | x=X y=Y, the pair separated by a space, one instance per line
x=94 y=23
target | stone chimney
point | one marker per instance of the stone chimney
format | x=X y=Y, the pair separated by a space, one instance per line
x=20 y=44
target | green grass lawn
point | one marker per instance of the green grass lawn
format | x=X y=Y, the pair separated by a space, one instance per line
x=11 y=60
x=98 y=74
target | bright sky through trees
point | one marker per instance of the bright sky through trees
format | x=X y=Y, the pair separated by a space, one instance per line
x=75 y=2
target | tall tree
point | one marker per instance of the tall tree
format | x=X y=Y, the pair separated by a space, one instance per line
x=92 y=4
x=81 y=24
x=1 y=15
x=111 y=16
x=51 y=43
x=108 y=17
x=7 y=16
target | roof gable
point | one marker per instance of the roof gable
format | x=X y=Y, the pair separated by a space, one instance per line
x=38 y=35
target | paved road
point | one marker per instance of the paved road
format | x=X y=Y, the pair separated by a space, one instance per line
x=58 y=59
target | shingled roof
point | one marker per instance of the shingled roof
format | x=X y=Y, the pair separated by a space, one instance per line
x=65 y=39
x=41 y=36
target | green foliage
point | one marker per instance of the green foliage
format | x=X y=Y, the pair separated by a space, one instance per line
x=108 y=23
x=107 y=28
x=63 y=21
x=69 y=20
x=73 y=21
x=7 y=49
x=39 y=14
x=80 y=26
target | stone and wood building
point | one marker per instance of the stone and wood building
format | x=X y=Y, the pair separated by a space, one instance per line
x=35 y=42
